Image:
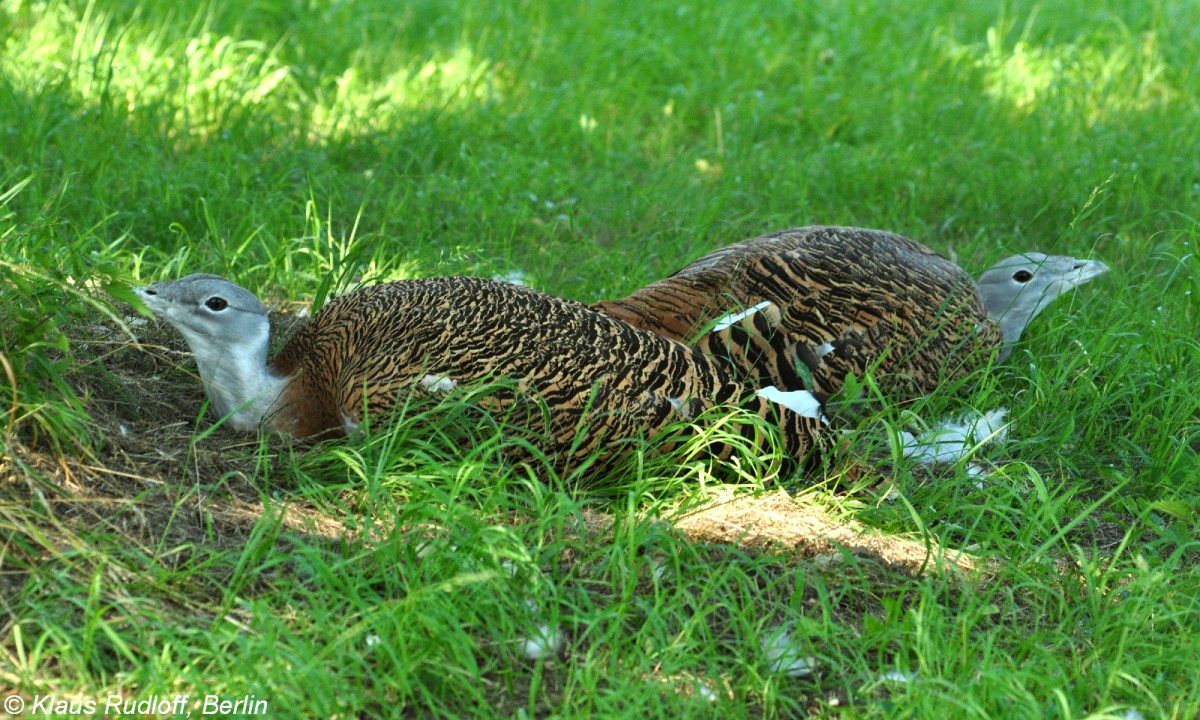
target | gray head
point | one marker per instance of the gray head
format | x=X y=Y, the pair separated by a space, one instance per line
x=227 y=329
x=1016 y=289
x=207 y=309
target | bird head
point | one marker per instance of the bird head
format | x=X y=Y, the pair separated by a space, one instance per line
x=227 y=329
x=210 y=311
x=1017 y=288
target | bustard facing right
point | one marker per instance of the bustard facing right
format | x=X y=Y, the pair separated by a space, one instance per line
x=803 y=308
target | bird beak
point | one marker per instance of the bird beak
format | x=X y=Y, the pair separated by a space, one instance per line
x=1084 y=271
x=141 y=301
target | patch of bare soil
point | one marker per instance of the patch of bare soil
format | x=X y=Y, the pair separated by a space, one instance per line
x=149 y=479
x=777 y=520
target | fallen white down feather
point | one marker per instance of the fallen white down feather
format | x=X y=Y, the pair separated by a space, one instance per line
x=952 y=440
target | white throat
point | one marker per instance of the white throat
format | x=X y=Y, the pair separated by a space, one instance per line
x=239 y=384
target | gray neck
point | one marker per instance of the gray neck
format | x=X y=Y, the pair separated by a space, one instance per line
x=1011 y=327
x=1013 y=314
x=236 y=377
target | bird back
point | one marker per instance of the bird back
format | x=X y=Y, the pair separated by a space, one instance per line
x=845 y=300
x=600 y=381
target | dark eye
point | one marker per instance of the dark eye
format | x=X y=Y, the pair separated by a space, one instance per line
x=1022 y=276
x=216 y=304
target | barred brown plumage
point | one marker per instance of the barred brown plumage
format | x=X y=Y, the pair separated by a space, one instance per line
x=600 y=380
x=803 y=308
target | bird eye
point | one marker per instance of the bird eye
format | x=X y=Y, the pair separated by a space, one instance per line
x=216 y=304
x=1022 y=276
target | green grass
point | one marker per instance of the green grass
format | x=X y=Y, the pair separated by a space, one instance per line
x=301 y=147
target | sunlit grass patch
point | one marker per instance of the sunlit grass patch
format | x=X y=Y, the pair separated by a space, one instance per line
x=1091 y=79
x=206 y=82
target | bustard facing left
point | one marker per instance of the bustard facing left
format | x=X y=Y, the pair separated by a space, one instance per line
x=600 y=381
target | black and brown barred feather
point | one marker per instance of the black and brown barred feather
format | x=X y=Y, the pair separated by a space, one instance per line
x=842 y=300
x=598 y=381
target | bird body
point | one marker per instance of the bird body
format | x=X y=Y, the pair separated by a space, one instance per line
x=596 y=380
x=814 y=304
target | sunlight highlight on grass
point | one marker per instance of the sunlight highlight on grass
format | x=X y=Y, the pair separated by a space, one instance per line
x=1095 y=80
x=208 y=80
x=451 y=80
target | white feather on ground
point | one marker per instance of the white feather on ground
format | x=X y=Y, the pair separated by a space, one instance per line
x=784 y=656
x=953 y=440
